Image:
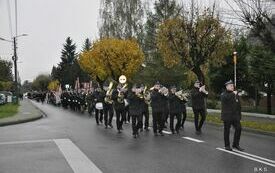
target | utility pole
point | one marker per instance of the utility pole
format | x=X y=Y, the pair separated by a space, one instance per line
x=14 y=58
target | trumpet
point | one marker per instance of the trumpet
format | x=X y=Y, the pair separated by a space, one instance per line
x=108 y=97
x=182 y=95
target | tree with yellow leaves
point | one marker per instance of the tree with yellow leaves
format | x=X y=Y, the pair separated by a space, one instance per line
x=53 y=85
x=194 y=40
x=110 y=58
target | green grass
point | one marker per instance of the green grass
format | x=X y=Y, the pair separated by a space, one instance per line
x=8 y=110
x=215 y=118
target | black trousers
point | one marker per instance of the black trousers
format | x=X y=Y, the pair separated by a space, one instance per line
x=136 y=123
x=97 y=118
x=237 y=135
x=202 y=113
x=108 y=115
x=158 y=121
x=184 y=114
x=145 y=114
x=120 y=116
x=172 y=117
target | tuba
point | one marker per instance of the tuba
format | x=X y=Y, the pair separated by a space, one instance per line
x=146 y=96
x=108 y=97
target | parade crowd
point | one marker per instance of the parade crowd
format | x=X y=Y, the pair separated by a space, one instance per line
x=132 y=105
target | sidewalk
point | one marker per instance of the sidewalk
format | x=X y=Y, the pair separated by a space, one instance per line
x=26 y=112
x=258 y=115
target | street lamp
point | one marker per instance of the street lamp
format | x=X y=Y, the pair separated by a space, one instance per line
x=15 y=58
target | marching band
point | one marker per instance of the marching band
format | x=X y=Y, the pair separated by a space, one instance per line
x=135 y=103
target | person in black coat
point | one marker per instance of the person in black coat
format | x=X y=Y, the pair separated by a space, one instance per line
x=135 y=109
x=159 y=103
x=174 y=110
x=98 y=96
x=108 y=107
x=198 y=95
x=119 y=105
x=145 y=112
x=231 y=115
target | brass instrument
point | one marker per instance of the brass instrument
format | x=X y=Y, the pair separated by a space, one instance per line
x=120 y=96
x=182 y=95
x=147 y=96
x=108 y=97
x=164 y=91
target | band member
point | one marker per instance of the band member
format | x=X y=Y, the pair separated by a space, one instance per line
x=159 y=101
x=99 y=99
x=108 y=106
x=231 y=115
x=175 y=109
x=145 y=108
x=90 y=102
x=135 y=108
x=198 y=95
x=118 y=97
x=183 y=110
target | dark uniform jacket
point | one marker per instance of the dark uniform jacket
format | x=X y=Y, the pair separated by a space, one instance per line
x=117 y=105
x=231 y=106
x=159 y=102
x=175 y=104
x=135 y=104
x=198 y=99
x=98 y=97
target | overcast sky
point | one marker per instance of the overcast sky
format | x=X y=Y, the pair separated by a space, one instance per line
x=48 y=23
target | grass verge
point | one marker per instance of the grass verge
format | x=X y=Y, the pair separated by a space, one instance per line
x=215 y=118
x=8 y=110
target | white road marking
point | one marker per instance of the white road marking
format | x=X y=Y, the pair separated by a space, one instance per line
x=193 y=139
x=78 y=161
x=258 y=157
x=246 y=156
x=166 y=132
x=26 y=142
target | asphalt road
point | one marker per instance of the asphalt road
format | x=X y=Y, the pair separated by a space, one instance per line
x=39 y=147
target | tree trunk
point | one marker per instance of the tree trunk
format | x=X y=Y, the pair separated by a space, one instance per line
x=199 y=74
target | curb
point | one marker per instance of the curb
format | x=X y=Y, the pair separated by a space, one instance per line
x=25 y=120
x=245 y=129
x=20 y=121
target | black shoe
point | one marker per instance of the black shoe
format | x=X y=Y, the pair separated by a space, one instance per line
x=228 y=148
x=173 y=132
x=178 y=132
x=198 y=132
x=238 y=148
x=135 y=136
x=111 y=125
x=146 y=129
x=161 y=134
x=106 y=127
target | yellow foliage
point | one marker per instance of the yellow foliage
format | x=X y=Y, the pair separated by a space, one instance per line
x=53 y=85
x=112 y=58
x=195 y=43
